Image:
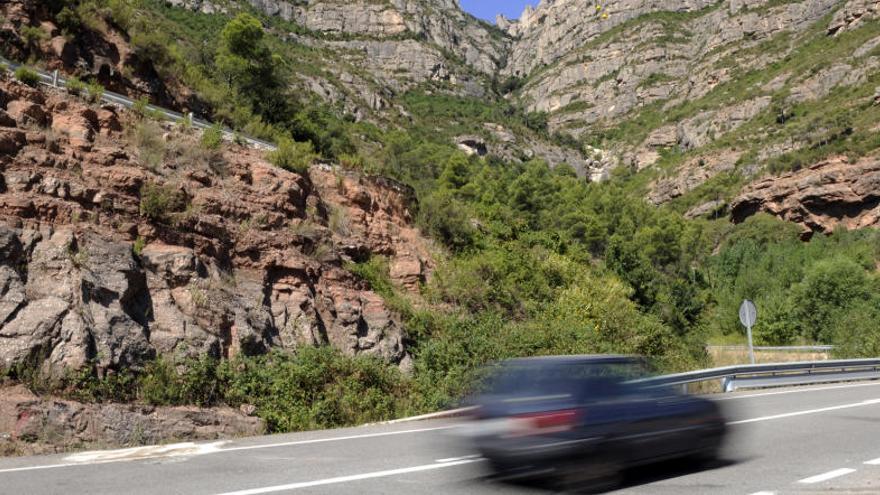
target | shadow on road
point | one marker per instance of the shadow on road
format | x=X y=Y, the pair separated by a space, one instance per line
x=633 y=478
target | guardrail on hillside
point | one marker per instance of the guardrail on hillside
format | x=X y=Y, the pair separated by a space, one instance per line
x=55 y=81
x=775 y=375
x=793 y=348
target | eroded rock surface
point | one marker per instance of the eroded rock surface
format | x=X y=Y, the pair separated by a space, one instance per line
x=240 y=257
x=831 y=193
x=38 y=425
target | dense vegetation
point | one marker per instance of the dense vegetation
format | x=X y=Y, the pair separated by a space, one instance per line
x=535 y=260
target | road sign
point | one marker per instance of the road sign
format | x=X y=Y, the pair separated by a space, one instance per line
x=748 y=314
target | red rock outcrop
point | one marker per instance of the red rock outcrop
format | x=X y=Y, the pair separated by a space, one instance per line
x=831 y=193
x=35 y=425
x=123 y=239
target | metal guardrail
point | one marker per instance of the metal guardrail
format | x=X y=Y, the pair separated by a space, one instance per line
x=55 y=81
x=793 y=348
x=773 y=375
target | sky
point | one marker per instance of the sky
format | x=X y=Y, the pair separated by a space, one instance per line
x=487 y=9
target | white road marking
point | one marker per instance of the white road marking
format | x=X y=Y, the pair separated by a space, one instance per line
x=764 y=493
x=346 y=479
x=796 y=391
x=36 y=468
x=333 y=439
x=808 y=411
x=827 y=476
x=873 y=462
x=453 y=459
x=170 y=450
x=105 y=457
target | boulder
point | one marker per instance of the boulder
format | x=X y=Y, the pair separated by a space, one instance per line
x=11 y=141
x=26 y=113
x=79 y=128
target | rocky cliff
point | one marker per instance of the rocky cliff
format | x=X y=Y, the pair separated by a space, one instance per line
x=121 y=240
x=702 y=96
x=827 y=195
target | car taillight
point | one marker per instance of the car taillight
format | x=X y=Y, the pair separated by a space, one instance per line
x=545 y=422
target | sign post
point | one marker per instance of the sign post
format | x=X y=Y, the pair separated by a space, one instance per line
x=748 y=314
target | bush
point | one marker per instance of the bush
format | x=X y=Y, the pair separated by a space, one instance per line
x=75 y=86
x=159 y=202
x=447 y=220
x=147 y=137
x=293 y=156
x=96 y=91
x=317 y=388
x=855 y=332
x=27 y=76
x=33 y=35
x=194 y=382
x=212 y=138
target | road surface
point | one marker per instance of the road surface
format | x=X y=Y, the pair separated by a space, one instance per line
x=789 y=441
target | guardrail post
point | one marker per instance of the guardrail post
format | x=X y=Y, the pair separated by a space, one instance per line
x=727 y=384
x=55 y=78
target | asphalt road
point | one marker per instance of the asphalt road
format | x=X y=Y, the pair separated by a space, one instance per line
x=801 y=440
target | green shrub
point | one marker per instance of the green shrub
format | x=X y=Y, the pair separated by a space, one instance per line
x=140 y=106
x=33 y=35
x=160 y=202
x=147 y=137
x=96 y=91
x=317 y=388
x=212 y=138
x=855 y=331
x=293 y=156
x=194 y=382
x=75 y=86
x=27 y=76
x=138 y=246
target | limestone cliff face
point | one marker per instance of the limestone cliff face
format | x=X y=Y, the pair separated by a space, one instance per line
x=832 y=193
x=438 y=22
x=696 y=92
x=111 y=254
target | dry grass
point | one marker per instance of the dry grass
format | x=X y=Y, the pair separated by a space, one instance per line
x=728 y=357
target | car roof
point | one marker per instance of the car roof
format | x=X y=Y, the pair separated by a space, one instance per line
x=576 y=359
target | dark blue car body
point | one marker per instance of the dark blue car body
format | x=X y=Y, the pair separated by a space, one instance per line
x=585 y=418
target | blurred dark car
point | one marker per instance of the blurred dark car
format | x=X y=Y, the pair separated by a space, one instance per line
x=581 y=420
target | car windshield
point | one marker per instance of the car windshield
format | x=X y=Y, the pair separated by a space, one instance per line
x=548 y=378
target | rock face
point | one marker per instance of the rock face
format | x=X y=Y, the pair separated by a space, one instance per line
x=108 y=256
x=33 y=425
x=829 y=194
x=438 y=22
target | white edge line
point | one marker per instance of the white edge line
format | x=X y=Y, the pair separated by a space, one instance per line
x=764 y=493
x=332 y=439
x=827 y=476
x=795 y=391
x=220 y=451
x=808 y=411
x=873 y=462
x=346 y=479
